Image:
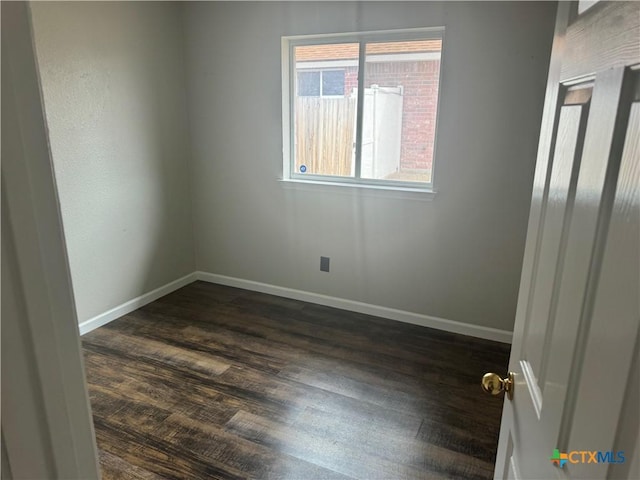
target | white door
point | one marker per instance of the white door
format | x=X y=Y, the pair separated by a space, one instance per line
x=574 y=411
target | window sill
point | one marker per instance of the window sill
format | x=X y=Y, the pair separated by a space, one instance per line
x=382 y=191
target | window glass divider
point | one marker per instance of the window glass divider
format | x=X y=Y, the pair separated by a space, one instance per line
x=360 y=108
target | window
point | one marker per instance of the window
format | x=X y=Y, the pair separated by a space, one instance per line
x=320 y=83
x=362 y=108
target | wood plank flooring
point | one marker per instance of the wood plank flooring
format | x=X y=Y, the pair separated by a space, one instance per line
x=217 y=382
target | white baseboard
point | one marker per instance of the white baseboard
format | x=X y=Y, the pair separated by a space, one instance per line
x=452 y=326
x=131 y=305
x=478 y=331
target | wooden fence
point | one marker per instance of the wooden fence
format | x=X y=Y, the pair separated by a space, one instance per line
x=325 y=135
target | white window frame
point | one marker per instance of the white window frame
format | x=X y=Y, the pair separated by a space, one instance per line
x=288 y=95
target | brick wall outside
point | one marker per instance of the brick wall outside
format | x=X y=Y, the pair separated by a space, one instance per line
x=350 y=80
x=419 y=80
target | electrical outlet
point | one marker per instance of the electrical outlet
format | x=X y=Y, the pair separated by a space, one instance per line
x=324 y=264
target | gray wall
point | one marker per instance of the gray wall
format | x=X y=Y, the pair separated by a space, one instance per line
x=114 y=93
x=131 y=180
x=458 y=257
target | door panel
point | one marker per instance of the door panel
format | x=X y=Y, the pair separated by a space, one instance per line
x=604 y=37
x=559 y=197
x=579 y=275
x=616 y=297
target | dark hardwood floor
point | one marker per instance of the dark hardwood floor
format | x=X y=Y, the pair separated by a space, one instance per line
x=217 y=382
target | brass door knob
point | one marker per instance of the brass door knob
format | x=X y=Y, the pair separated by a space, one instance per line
x=493 y=384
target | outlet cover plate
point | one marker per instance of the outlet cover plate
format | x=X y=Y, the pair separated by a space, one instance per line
x=324 y=264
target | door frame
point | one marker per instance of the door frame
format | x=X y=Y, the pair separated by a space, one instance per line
x=47 y=429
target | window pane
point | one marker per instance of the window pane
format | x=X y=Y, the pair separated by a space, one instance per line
x=333 y=82
x=325 y=126
x=400 y=102
x=309 y=84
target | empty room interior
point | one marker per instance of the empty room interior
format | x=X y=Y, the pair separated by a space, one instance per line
x=287 y=239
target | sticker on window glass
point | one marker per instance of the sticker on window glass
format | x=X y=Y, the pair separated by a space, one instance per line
x=303 y=168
